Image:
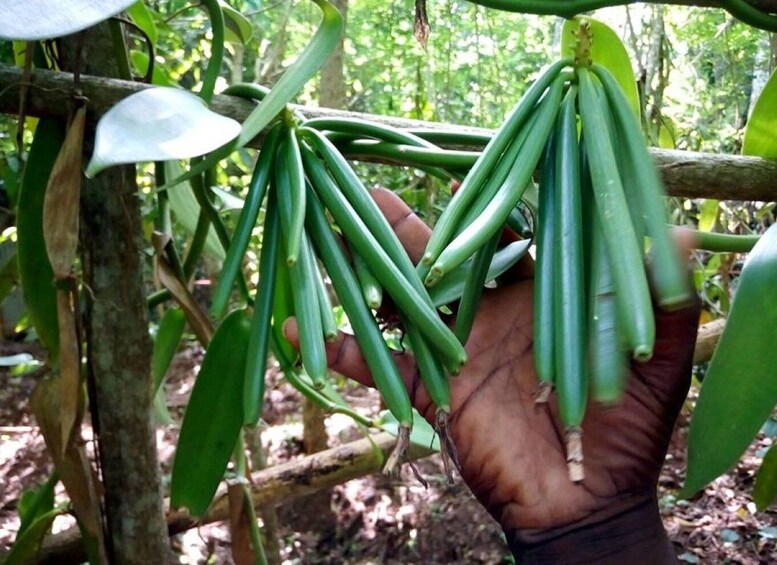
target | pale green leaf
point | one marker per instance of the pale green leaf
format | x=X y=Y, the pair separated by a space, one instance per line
x=740 y=388
x=143 y=18
x=238 y=27
x=158 y=124
x=608 y=51
x=229 y=202
x=186 y=211
x=422 y=434
x=31 y=20
x=159 y=76
x=667 y=134
x=761 y=132
x=708 y=214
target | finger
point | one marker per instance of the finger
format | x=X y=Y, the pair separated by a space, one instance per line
x=345 y=357
x=669 y=371
x=412 y=232
x=686 y=241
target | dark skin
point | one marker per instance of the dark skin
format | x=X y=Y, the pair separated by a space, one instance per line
x=510 y=449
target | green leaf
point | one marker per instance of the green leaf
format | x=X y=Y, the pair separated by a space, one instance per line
x=760 y=139
x=35 y=272
x=708 y=214
x=31 y=20
x=740 y=387
x=667 y=134
x=186 y=211
x=422 y=433
x=765 y=488
x=606 y=50
x=211 y=424
x=143 y=18
x=168 y=336
x=229 y=202
x=159 y=76
x=158 y=124
x=300 y=72
x=26 y=545
x=239 y=28
x=35 y=502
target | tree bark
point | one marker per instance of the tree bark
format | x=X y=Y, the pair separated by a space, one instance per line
x=685 y=173
x=331 y=89
x=118 y=348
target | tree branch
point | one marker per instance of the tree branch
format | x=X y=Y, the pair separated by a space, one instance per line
x=685 y=173
x=270 y=486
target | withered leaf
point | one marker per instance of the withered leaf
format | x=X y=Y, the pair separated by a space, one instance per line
x=61 y=204
x=69 y=366
x=70 y=460
x=196 y=317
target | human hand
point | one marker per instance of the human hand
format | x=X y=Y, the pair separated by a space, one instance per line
x=511 y=450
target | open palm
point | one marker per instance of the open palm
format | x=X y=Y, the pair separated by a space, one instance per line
x=511 y=449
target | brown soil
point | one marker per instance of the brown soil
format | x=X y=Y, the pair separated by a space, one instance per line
x=389 y=521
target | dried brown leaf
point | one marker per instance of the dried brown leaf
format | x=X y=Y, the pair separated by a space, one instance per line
x=71 y=462
x=197 y=318
x=61 y=204
x=69 y=367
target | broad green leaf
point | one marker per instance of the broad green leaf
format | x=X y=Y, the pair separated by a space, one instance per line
x=606 y=50
x=211 y=424
x=765 y=488
x=740 y=387
x=26 y=545
x=761 y=130
x=143 y=18
x=708 y=214
x=239 y=28
x=422 y=434
x=158 y=124
x=159 y=77
x=186 y=211
x=43 y=19
x=35 y=272
x=667 y=134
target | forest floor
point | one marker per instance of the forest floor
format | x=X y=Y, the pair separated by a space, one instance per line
x=377 y=520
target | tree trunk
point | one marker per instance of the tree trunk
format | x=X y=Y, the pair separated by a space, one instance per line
x=331 y=89
x=118 y=349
